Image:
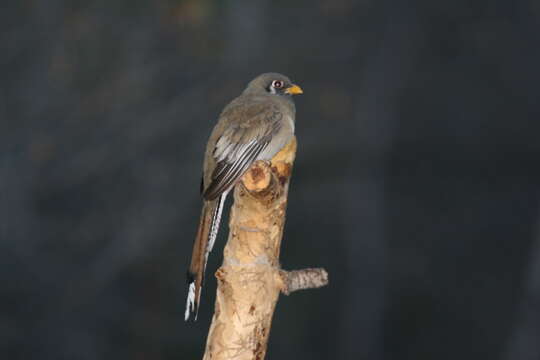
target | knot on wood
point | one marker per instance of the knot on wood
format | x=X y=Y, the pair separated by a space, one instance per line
x=283 y=171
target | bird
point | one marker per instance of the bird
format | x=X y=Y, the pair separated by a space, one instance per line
x=254 y=126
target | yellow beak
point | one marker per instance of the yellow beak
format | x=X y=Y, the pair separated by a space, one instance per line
x=294 y=90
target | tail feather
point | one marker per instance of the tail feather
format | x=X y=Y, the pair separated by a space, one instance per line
x=204 y=242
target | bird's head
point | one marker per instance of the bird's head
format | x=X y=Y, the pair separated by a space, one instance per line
x=273 y=83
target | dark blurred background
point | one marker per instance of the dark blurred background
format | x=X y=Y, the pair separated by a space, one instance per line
x=416 y=183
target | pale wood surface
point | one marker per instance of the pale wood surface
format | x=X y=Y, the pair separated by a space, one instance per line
x=250 y=278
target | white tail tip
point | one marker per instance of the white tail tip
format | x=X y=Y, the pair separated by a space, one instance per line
x=190 y=302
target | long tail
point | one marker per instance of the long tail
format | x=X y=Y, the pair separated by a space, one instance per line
x=206 y=236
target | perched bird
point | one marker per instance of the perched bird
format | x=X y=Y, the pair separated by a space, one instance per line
x=254 y=126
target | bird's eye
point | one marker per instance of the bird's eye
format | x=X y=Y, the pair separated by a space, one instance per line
x=277 y=84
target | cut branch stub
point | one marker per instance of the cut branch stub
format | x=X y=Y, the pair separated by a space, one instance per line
x=258 y=177
x=302 y=279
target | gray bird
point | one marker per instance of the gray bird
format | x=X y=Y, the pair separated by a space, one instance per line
x=254 y=126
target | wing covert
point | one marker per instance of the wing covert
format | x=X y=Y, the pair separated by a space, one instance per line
x=239 y=146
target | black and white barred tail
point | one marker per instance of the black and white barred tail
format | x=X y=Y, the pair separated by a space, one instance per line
x=204 y=242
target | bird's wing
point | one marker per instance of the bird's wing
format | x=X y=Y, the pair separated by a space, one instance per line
x=249 y=131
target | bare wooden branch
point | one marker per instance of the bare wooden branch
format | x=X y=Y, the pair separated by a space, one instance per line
x=303 y=279
x=250 y=278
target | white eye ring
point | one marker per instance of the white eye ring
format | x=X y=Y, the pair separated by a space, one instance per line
x=277 y=84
